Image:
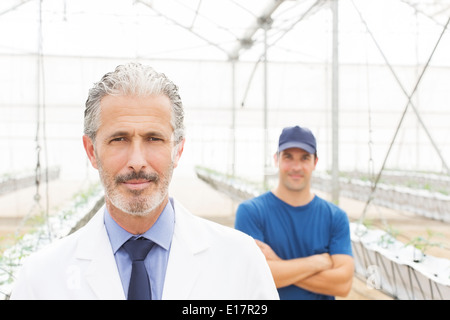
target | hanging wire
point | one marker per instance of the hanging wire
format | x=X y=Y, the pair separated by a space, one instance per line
x=199 y=4
x=40 y=126
x=197 y=15
x=239 y=4
x=370 y=143
x=409 y=103
x=175 y=22
x=409 y=96
x=42 y=104
x=14 y=7
x=370 y=166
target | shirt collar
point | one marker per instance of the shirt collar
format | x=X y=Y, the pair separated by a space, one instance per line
x=160 y=233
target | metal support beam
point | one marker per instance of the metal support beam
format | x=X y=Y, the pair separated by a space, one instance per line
x=233 y=118
x=335 y=105
x=246 y=40
x=266 y=27
x=14 y=7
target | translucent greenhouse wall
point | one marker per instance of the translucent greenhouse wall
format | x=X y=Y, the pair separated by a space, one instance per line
x=370 y=107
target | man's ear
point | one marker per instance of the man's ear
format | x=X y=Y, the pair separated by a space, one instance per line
x=89 y=147
x=275 y=159
x=178 y=150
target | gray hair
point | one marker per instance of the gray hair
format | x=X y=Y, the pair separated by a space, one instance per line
x=138 y=80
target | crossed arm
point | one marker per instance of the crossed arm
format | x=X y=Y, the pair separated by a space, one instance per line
x=321 y=273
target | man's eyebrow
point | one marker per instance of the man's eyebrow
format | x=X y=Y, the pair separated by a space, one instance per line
x=116 y=134
x=152 y=133
x=156 y=134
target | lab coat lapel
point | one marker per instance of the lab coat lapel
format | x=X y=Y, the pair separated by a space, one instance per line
x=183 y=268
x=102 y=274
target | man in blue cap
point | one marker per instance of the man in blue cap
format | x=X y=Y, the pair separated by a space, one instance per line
x=305 y=239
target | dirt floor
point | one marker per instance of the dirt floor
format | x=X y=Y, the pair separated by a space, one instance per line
x=213 y=205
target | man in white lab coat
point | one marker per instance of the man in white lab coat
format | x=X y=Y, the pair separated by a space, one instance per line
x=134 y=137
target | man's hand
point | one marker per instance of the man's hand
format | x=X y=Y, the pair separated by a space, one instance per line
x=323 y=261
x=267 y=251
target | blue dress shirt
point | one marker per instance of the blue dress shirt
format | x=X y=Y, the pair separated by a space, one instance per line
x=156 y=261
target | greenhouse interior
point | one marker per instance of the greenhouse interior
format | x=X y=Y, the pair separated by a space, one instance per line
x=370 y=79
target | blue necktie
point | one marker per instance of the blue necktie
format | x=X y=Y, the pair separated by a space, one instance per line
x=139 y=288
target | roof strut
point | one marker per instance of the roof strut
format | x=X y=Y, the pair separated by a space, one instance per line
x=246 y=41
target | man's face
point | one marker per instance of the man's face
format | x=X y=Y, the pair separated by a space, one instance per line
x=295 y=168
x=134 y=151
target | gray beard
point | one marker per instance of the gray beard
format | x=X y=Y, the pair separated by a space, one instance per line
x=136 y=204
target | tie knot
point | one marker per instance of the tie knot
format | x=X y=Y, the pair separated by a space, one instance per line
x=138 y=248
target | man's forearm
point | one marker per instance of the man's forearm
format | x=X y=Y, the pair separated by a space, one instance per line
x=288 y=272
x=336 y=281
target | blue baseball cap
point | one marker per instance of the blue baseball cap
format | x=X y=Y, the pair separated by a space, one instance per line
x=297 y=137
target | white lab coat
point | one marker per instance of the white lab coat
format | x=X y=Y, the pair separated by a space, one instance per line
x=206 y=261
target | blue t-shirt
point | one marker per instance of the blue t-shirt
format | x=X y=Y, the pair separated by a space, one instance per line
x=295 y=232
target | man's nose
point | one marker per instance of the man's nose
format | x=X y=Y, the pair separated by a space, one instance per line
x=297 y=165
x=136 y=157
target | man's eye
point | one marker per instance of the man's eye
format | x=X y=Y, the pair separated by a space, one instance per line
x=118 y=139
x=154 y=139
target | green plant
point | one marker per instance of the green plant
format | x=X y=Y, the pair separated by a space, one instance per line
x=368 y=223
x=389 y=237
x=37 y=232
x=424 y=243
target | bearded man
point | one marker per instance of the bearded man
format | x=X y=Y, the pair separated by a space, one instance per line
x=143 y=244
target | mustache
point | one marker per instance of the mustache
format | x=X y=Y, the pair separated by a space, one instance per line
x=141 y=175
